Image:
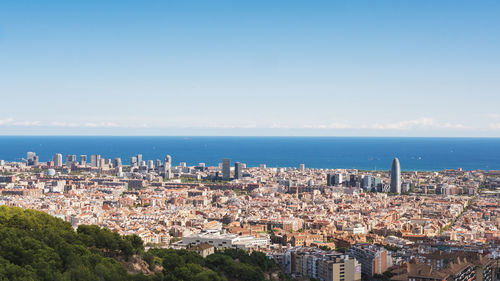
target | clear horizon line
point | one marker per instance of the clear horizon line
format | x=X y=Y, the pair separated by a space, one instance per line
x=257 y=136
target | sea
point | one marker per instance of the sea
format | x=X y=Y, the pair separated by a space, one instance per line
x=364 y=153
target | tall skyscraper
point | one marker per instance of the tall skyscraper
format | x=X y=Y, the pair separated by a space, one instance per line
x=395 y=177
x=117 y=162
x=226 y=168
x=95 y=160
x=70 y=159
x=151 y=165
x=83 y=160
x=330 y=179
x=167 y=167
x=157 y=165
x=133 y=161
x=338 y=179
x=58 y=162
x=238 y=170
x=367 y=182
x=32 y=158
x=139 y=159
x=302 y=167
x=35 y=161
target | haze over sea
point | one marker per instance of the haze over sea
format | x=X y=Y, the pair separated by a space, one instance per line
x=366 y=153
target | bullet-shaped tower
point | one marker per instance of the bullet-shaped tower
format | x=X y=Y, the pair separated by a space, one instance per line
x=396 y=177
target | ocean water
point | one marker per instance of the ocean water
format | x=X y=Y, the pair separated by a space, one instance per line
x=366 y=153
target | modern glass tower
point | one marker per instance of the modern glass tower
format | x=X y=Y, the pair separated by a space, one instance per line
x=395 y=177
x=226 y=168
x=238 y=170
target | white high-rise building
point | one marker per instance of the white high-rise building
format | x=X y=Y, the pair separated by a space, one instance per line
x=338 y=179
x=133 y=161
x=167 y=167
x=58 y=162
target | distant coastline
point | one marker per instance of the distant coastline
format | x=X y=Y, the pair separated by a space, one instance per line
x=363 y=153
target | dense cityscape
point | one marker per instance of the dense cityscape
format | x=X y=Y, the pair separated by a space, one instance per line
x=249 y=140
x=327 y=224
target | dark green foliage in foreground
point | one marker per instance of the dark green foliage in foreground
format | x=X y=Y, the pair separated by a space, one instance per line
x=223 y=265
x=37 y=246
x=249 y=267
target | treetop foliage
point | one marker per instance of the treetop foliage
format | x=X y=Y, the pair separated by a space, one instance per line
x=37 y=246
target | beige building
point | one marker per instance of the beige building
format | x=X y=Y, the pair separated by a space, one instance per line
x=339 y=268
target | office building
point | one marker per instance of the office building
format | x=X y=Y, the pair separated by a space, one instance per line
x=83 y=160
x=117 y=162
x=353 y=181
x=167 y=167
x=377 y=182
x=338 y=179
x=226 y=168
x=367 y=182
x=302 y=167
x=57 y=159
x=30 y=155
x=95 y=160
x=396 y=177
x=330 y=179
x=32 y=159
x=133 y=161
x=151 y=165
x=35 y=161
x=238 y=170
x=70 y=159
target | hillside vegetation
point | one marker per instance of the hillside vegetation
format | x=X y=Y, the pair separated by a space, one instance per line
x=37 y=246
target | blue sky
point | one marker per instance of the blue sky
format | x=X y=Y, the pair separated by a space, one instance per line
x=333 y=68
